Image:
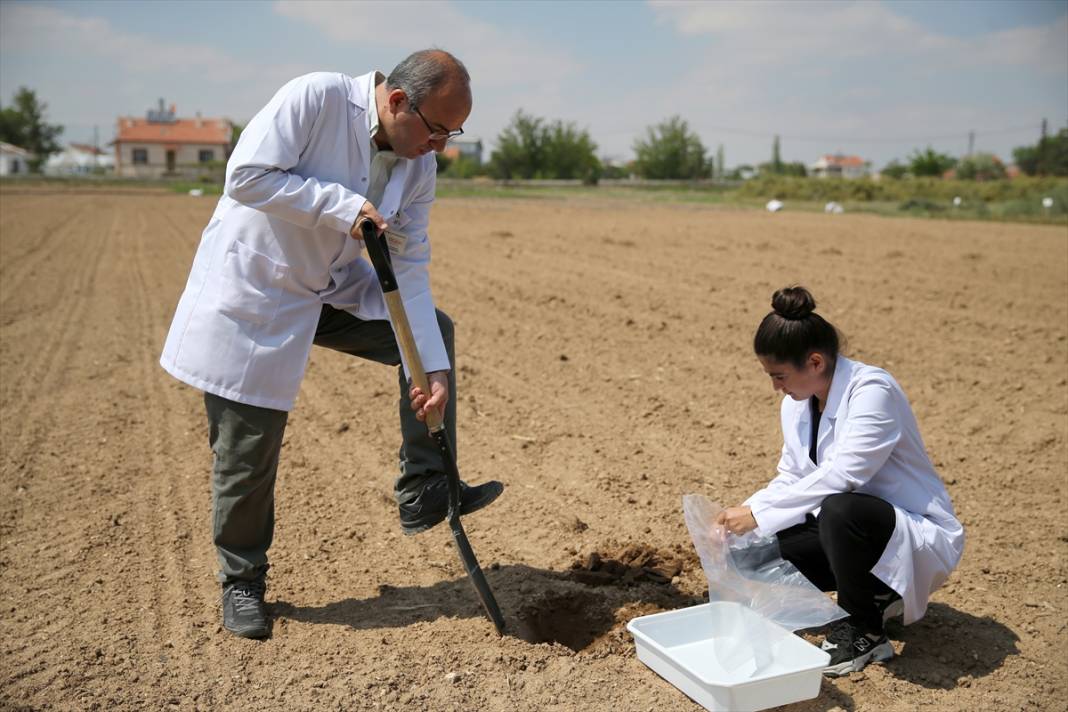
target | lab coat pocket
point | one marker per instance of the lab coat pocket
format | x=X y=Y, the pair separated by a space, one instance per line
x=251 y=285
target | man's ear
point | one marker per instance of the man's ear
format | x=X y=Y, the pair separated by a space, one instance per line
x=396 y=99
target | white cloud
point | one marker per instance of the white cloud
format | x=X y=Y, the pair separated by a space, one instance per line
x=495 y=56
x=508 y=70
x=138 y=68
x=770 y=33
x=854 y=70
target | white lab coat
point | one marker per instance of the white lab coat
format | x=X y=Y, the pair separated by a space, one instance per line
x=278 y=247
x=868 y=442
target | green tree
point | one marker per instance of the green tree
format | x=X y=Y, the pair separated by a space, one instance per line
x=1026 y=158
x=776 y=157
x=519 y=150
x=895 y=169
x=462 y=167
x=530 y=147
x=930 y=163
x=570 y=153
x=980 y=166
x=795 y=168
x=671 y=150
x=23 y=124
x=1048 y=157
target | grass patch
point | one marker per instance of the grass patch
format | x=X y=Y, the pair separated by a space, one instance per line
x=1018 y=200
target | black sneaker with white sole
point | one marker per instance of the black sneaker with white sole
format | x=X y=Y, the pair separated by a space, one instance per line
x=852 y=649
x=244 y=613
x=429 y=506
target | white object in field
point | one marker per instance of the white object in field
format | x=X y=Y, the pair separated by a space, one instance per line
x=774 y=206
x=957 y=201
x=708 y=652
x=1047 y=202
x=833 y=208
x=196 y=192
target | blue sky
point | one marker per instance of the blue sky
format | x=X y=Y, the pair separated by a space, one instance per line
x=877 y=79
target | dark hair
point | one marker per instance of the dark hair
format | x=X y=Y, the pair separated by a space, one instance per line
x=421 y=73
x=792 y=330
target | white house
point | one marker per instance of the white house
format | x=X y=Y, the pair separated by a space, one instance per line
x=79 y=159
x=839 y=166
x=14 y=160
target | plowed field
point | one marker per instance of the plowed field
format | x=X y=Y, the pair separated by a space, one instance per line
x=604 y=370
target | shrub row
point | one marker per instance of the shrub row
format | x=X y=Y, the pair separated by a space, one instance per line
x=935 y=190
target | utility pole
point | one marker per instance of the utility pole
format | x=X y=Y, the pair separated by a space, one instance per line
x=720 y=171
x=971 y=142
x=96 y=146
x=1040 y=168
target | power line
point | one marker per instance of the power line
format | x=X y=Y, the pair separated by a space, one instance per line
x=880 y=139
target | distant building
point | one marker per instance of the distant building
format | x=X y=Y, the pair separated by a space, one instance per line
x=14 y=160
x=162 y=144
x=79 y=159
x=467 y=148
x=839 y=166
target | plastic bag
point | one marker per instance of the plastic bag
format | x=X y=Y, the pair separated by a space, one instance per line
x=751 y=571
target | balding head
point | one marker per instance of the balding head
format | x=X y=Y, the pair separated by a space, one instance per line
x=426 y=98
x=426 y=72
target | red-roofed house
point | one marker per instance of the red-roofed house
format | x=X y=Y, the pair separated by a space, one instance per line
x=839 y=166
x=161 y=144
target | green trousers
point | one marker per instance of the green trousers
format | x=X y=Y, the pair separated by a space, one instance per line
x=247 y=440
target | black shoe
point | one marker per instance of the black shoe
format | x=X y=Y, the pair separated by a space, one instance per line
x=430 y=505
x=244 y=613
x=851 y=649
x=890 y=606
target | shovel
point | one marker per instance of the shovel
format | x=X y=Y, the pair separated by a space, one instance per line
x=378 y=251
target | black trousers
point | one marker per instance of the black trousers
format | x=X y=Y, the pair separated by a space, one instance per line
x=837 y=550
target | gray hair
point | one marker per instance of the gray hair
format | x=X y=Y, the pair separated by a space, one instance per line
x=421 y=73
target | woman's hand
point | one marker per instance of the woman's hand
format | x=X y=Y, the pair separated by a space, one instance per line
x=737 y=520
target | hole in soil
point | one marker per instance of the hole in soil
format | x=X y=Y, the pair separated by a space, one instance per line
x=573 y=619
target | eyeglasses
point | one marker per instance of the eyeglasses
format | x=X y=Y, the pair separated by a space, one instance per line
x=437 y=134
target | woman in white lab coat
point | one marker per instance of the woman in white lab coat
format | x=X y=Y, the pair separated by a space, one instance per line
x=856 y=504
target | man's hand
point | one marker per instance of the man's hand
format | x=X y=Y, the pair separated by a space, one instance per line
x=737 y=520
x=439 y=395
x=367 y=212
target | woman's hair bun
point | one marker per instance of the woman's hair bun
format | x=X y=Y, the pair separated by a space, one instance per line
x=793 y=303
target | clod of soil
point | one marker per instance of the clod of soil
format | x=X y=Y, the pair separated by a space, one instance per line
x=632 y=564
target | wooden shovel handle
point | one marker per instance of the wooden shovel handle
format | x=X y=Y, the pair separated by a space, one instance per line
x=379 y=254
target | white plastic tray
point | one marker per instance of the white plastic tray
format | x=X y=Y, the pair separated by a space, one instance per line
x=726 y=657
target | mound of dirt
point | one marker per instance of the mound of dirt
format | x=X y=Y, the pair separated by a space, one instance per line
x=633 y=563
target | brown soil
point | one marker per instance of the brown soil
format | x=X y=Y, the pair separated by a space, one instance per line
x=604 y=372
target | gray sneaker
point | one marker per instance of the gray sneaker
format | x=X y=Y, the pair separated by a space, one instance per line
x=852 y=649
x=244 y=613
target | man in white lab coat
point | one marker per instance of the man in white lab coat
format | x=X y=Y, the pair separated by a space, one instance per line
x=279 y=268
